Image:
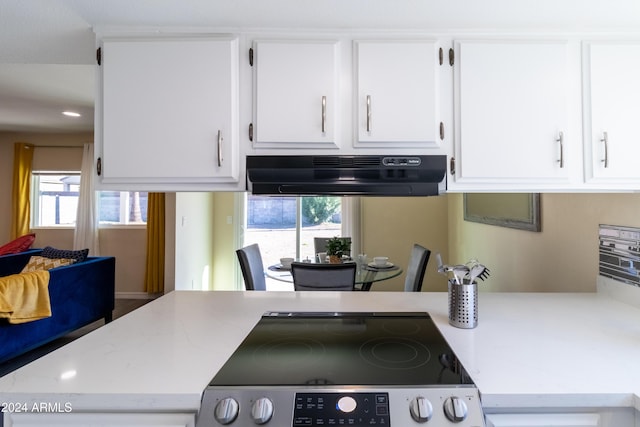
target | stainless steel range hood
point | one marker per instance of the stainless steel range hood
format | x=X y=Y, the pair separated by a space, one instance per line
x=361 y=175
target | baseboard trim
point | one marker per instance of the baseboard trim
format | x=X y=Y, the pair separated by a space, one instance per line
x=135 y=295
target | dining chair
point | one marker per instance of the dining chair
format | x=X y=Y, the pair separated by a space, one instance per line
x=320 y=245
x=416 y=269
x=252 y=268
x=309 y=276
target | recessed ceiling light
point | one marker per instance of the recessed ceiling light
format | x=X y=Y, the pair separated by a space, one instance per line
x=71 y=114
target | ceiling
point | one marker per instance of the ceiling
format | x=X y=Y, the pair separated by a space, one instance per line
x=47 y=47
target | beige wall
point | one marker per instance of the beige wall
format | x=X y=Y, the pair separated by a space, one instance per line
x=561 y=258
x=392 y=225
x=7 y=140
x=127 y=245
x=225 y=264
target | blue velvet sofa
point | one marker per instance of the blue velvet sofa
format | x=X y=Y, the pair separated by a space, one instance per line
x=80 y=294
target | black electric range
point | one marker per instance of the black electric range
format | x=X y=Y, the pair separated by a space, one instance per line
x=342 y=369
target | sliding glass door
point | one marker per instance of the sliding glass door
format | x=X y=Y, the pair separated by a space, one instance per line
x=286 y=226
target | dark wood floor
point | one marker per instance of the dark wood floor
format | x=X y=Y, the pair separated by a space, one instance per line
x=122 y=307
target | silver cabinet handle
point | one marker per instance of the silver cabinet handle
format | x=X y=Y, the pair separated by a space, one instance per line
x=605 y=140
x=560 y=140
x=324 y=113
x=219 y=148
x=368 y=113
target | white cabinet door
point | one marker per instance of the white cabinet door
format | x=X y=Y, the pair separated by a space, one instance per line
x=517 y=113
x=543 y=420
x=98 y=420
x=397 y=93
x=296 y=100
x=169 y=110
x=612 y=112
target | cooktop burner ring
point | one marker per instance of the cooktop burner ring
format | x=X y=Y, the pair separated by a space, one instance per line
x=395 y=353
x=402 y=327
x=295 y=350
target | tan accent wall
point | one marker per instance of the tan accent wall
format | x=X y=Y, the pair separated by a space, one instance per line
x=225 y=264
x=391 y=225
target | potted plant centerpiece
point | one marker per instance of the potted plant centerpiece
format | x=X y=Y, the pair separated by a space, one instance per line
x=336 y=248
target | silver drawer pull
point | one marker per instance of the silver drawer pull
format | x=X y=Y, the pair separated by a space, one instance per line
x=324 y=113
x=605 y=140
x=560 y=140
x=368 y=113
x=219 y=148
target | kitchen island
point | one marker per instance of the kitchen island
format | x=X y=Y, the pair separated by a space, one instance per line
x=557 y=352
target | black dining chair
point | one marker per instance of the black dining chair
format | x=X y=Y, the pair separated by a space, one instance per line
x=252 y=268
x=416 y=269
x=309 y=276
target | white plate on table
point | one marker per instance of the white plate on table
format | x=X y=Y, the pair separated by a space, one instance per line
x=382 y=267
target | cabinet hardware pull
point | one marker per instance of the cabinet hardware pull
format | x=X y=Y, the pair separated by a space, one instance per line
x=219 y=148
x=605 y=140
x=368 y=113
x=560 y=140
x=452 y=166
x=324 y=113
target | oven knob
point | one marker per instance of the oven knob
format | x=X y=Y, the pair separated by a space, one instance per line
x=262 y=410
x=226 y=410
x=421 y=409
x=455 y=409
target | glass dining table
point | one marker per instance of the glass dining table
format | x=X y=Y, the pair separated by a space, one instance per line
x=365 y=275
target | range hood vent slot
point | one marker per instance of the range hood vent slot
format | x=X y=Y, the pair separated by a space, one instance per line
x=345 y=161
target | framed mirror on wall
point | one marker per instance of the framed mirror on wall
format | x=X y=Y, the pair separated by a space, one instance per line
x=513 y=210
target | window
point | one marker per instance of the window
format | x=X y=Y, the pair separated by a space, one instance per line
x=286 y=226
x=54 y=202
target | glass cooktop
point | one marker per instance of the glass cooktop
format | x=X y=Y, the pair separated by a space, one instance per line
x=294 y=349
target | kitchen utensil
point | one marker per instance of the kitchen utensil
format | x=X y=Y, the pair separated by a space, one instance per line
x=478 y=271
x=460 y=271
x=442 y=268
x=440 y=264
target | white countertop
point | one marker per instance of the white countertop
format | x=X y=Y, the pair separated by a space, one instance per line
x=529 y=350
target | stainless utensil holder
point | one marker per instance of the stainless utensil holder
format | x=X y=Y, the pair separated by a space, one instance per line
x=463 y=304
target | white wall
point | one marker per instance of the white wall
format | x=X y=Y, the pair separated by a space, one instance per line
x=193 y=241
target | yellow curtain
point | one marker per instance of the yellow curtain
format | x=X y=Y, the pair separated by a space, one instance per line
x=154 y=273
x=20 y=203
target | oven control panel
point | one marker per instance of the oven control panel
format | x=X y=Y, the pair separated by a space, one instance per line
x=341 y=409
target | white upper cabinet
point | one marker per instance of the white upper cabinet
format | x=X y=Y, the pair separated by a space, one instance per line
x=397 y=95
x=296 y=93
x=612 y=113
x=169 y=112
x=517 y=112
